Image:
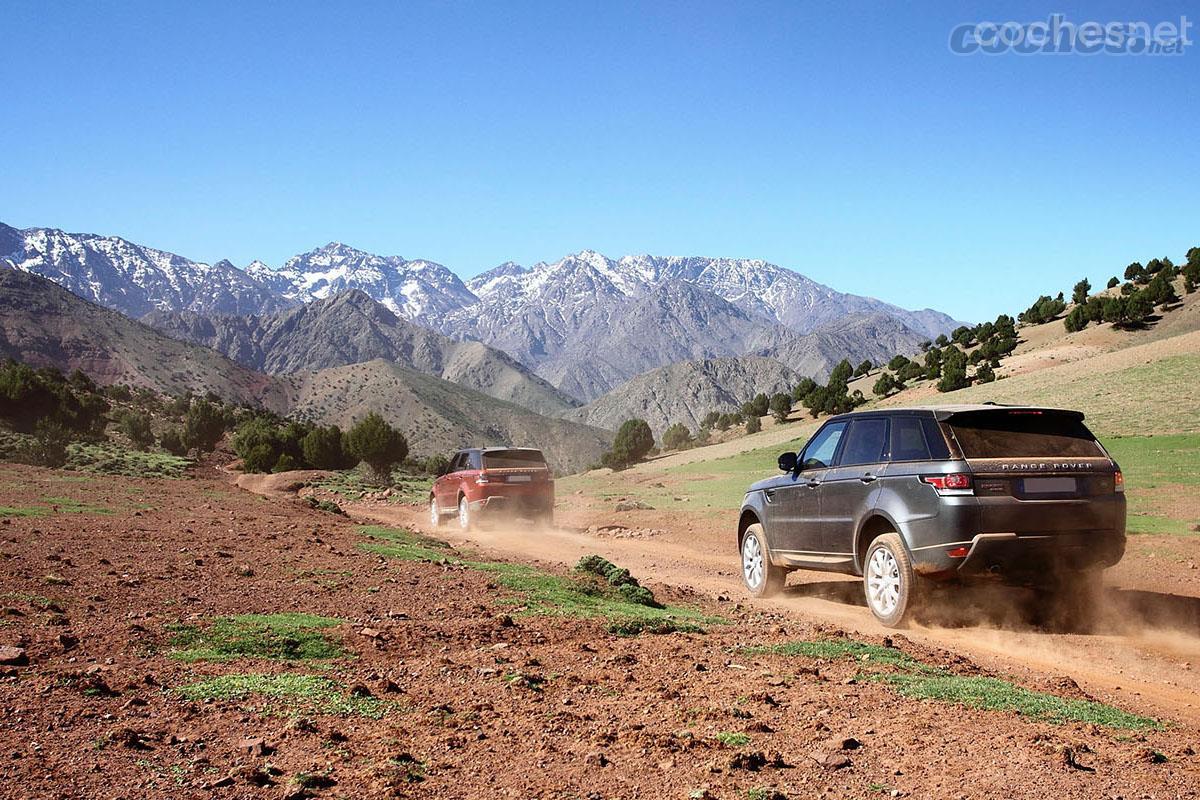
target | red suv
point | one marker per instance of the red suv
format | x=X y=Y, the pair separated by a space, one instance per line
x=488 y=481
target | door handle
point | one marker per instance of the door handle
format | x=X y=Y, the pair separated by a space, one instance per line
x=868 y=478
x=813 y=483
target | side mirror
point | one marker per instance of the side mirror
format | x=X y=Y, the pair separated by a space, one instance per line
x=787 y=462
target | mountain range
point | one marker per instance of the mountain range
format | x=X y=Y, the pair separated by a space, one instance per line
x=585 y=323
x=44 y=325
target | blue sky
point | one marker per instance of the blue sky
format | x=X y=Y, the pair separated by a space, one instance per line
x=841 y=140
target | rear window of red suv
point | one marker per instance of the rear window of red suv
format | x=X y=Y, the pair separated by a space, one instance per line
x=514 y=459
x=1023 y=434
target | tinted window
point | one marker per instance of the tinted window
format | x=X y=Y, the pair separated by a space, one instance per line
x=513 y=459
x=909 y=442
x=864 y=442
x=823 y=446
x=1022 y=434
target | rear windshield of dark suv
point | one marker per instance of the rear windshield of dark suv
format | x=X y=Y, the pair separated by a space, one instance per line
x=1022 y=434
x=514 y=459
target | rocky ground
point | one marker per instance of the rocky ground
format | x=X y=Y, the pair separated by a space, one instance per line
x=434 y=677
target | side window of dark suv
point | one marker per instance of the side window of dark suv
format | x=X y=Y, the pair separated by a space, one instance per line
x=821 y=449
x=865 y=442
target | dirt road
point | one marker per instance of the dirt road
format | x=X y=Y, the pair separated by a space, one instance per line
x=1143 y=652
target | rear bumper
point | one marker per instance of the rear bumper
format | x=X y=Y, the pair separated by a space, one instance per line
x=1024 y=555
x=516 y=504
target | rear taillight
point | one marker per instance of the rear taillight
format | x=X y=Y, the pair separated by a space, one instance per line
x=956 y=483
x=959 y=552
x=1118 y=481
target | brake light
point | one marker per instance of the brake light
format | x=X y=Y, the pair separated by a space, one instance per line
x=956 y=483
x=1118 y=481
x=958 y=552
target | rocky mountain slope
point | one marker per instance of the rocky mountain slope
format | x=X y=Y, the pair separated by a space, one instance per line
x=438 y=416
x=351 y=328
x=686 y=391
x=585 y=323
x=133 y=279
x=45 y=325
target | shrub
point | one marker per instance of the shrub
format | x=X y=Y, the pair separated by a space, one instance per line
x=985 y=373
x=1079 y=295
x=258 y=444
x=172 y=441
x=136 y=428
x=633 y=441
x=286 y=463
x=885 y=385
x=203 y=425
x=863 y=369
x=677 y=437
x=1113 y=282
x=754 y=425
x=897 y=363
x=781 y=406
x=324 y=448
x=1077 y=320
x=373 y=441
x=803 y=389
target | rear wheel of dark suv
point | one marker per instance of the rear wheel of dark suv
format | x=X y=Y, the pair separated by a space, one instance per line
x=889 y=581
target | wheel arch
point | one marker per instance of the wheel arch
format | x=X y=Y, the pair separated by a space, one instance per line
x=748 y=517
x=874 y=525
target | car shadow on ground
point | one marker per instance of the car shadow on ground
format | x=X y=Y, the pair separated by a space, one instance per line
x=1112 y=612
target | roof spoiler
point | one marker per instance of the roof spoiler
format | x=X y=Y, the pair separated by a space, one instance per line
x=944 y=415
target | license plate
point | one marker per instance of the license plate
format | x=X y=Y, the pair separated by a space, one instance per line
x=519 y=478
x=1049 y=486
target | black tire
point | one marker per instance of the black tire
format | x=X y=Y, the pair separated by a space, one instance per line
x=466 y=520
x=761 y=577
x=889 y=582
x=435 y=515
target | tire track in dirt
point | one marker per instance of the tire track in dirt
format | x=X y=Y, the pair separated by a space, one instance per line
x=1151 y=670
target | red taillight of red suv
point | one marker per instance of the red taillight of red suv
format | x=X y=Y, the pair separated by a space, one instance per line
x=1118 y=481
x=956 y=483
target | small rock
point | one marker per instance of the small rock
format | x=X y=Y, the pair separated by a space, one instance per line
x=850 y=743
x=128 y=737
x=256 y=746
x=751 y=761
x=831 y=761
x=504 y=620
x=244 y=571
x=596 y=759
x=370 y=633
x=67 y=642
x=13 y=656
x=633 y=505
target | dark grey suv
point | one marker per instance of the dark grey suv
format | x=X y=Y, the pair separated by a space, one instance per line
x=949 y=492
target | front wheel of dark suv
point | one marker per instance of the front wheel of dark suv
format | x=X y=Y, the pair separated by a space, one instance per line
x=889 y=580
x=762 y=578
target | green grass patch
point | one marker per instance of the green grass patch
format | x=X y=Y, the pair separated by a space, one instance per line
x=109 y=459
x=584 y=595
x=23 y=511
x=551 y=595
x=351 y=484
x=1153 y=461
x=730 y=739
x=301 y=694
x=279 y=637
x=35 y=600
x=69 y=505
x=918 y=680
x=403 y=545
x=831 y=649
x=994 y=694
